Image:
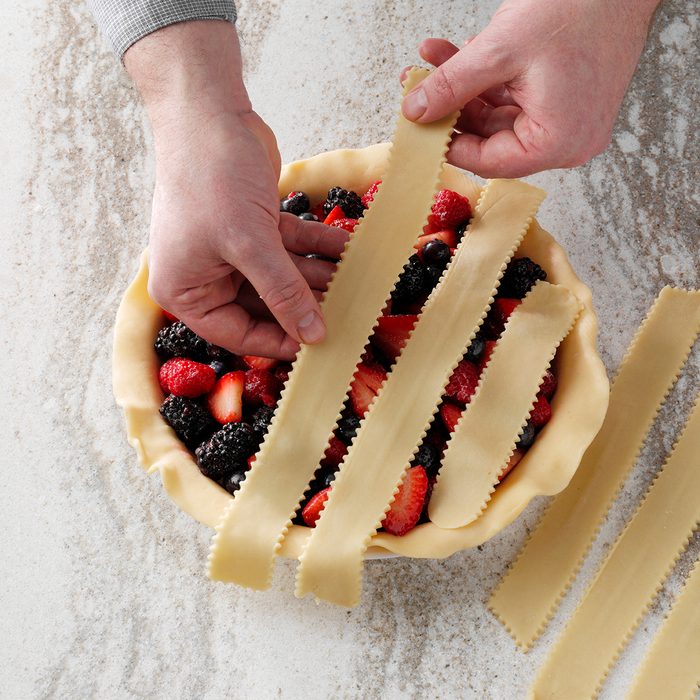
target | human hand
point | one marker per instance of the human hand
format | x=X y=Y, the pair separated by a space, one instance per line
x=222 y=258
x=538 y=88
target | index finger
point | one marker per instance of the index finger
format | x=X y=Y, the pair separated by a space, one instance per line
x=311 y=237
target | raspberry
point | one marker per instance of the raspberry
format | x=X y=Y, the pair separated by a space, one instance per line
x=541 y=412
x=261 y=388
x=184 y=377
x=463 y=381
x=450 y=209
x=549 y=384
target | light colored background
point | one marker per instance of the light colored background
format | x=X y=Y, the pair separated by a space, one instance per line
x=102 y=589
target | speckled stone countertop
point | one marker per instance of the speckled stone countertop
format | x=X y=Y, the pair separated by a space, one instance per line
x=102 y=589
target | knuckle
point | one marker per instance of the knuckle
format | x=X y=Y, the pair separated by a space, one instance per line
x=285 y=296
x=442 y=84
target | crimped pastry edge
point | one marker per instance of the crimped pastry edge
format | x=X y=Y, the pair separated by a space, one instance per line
x=579 y=405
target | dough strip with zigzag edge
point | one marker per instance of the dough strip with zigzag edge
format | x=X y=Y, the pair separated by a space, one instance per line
x=487 y=432
x=331 y=563
x=253 y=526
x=672 y=667
x=630 y=577
x=529 y=593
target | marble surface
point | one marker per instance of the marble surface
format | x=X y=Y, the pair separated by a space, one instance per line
x=102 y=588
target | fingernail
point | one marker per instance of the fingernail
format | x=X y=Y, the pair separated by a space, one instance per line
x=311 y=328
x=415 y=104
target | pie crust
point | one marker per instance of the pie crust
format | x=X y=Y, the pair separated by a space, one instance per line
x=578 y=406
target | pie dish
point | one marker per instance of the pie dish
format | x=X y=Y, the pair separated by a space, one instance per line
x=578 y=407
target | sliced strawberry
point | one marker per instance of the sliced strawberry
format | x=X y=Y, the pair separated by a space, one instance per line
x=345 y=223
x=257 y=362
x=169 y=316
x=514 y=459
x=261 y=388
x=251 y=459
x=365 y=386
x=549 y=384
x=447 y=236
x=450 y=209
x=312 y=510
x=334 y=214
x=541 y=412
x=489 y=346
x=407 y=507
x=463 y=381
x=498 y=315
x=450 y=414
x=226 y=398
x=391 y=334
x=368 y=196
x=335 y=453
x=183 y=377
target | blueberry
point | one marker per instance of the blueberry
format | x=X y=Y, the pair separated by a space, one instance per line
x=429 y=458
x=459 y=231
x=308 y=216
x=476 y=349
x=528 y=436
x=433 y=274
x=295 y=203
x=233 y=482
x=328 y=479
x=436 y=252
x=219 y=367
x=347 y=428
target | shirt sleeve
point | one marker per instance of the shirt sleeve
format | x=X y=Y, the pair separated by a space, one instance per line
x=124 y=22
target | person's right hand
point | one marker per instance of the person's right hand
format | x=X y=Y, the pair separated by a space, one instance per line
x=222 y=258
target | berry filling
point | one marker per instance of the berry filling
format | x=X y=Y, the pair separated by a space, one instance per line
x=220 y=405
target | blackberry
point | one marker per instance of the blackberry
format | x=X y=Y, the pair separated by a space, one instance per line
x=260 y=421
x=214 y=352
x=308 y=216
x=433 y=273
x=528 y=436
x=436 y=253
x=226 y=450
x=347 y=200
x=475 y=350
x=179 y=341
x=295 y=203
x=519 y=277
x=429 y=458
x=347 y=428
x=190 y=421
x=233 y=482
x=412 y=282
x=459 y=231
x=327 y=479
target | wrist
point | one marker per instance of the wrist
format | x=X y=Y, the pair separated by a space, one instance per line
x=189 y=74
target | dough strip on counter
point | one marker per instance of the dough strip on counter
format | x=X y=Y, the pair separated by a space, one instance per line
x=530 y=592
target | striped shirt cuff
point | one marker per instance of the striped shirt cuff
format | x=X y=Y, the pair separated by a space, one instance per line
x=124 y=22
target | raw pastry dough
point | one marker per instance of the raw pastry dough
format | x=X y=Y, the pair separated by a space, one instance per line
x=531 y=590
x=671 y=669
x=396 y=422
x=485 y=436
x=630 y=578
x=254 y=525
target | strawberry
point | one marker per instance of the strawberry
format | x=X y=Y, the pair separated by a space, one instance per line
x=312 y=510
x=368 y=196
x=549 y=384
x=541 y=412
x=486 y=356
x=169 y=316
x=407 y=507
x=282 y=372
x=345 y=223
x=463 y=381
x=183 y=377
x=450 y=209
x=257 y=362
x=261 y=388
x=334 y=214
x=226 y=398
x=450 y=414
x=250 y=460
x=514 y=459
x=391 y=334
x=366 y=384
x=447 y=236
x=335 y=453
x=498 y=316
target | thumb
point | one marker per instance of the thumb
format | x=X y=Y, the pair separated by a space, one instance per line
x=471 y=71
x=285 y=292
